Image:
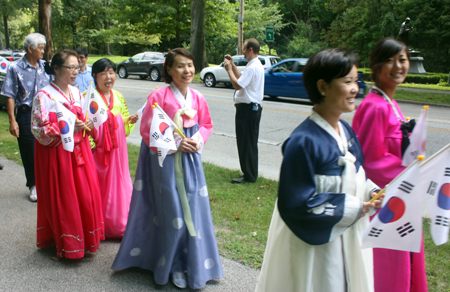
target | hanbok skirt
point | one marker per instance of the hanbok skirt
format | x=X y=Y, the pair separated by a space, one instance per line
x=156 y=237
x=69 y=205
x=115 y=182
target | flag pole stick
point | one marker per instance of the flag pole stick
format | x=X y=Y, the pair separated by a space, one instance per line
x=435 y=155
x=176 y=127
x=419 y=158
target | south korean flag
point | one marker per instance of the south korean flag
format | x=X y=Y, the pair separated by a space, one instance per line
x=161 y=133
x=435 y=173
x=66 y=123
x=398 y=224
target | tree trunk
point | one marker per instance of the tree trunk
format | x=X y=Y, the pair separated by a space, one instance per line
x=5 y=23
x=198 y=42
x=45 y=26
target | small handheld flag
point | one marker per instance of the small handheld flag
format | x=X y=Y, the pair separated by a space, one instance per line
x=417 y=139
x=96 y=108
x=66 y=123
x=161 y=133
x=435 y=174
x=398 y=224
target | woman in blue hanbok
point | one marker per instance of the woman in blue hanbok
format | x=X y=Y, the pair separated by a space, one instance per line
x=316 y=229
x=170 y=229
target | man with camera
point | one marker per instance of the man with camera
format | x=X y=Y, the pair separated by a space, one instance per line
x=249 y=94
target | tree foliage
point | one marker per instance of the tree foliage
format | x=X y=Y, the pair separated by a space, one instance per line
x=302 y=27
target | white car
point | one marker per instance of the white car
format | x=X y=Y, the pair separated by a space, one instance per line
x=213 y=75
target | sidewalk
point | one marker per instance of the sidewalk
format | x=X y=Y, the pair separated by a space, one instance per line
x=24 y=267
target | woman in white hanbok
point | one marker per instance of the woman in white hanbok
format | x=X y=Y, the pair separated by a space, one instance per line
x=316 y=229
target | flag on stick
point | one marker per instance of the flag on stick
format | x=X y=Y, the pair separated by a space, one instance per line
x=3 y=65
x=417 y=139
x=398 y=224
x=66 y=123
x=161 y=133
x=435 y=174
x=95 y=107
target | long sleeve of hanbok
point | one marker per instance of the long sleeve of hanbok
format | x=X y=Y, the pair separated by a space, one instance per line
x=314 y=217
x=372 y=125
x=125 y=114
x=43 y=128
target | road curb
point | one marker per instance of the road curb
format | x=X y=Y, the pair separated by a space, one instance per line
x=423 y=103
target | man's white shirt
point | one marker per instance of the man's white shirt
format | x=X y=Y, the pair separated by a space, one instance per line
x=252 y=83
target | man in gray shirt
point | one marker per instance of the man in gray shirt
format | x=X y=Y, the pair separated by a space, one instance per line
x=24 y=78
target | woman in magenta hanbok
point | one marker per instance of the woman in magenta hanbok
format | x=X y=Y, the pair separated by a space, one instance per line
x=377 y=122
x=69 y=211
x=170 y=229
x=110 y=152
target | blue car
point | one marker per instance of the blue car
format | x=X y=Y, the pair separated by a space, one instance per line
x=286 y=79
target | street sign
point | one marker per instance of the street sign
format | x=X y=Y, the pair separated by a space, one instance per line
x=269 y=34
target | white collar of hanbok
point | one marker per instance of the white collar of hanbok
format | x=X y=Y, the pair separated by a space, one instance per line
x=341 y=138
x=184 y=103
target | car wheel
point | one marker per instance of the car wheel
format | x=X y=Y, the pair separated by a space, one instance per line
x=155 y=75
x=143 y=77
x=123 y=72
x=210 y=80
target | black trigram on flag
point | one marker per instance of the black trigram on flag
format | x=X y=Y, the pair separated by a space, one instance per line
x=375 y=232
x=102 y=111
x=441 y=221
x=447 y=171
x=406 y=187
x=405 y=229
x=155 y=135
x=161 y=116
x=59 y=114
x=167 y=140
x=414 y=154
x=94 y=119
x=159 y=153
x=67 y=140
x=432 y=188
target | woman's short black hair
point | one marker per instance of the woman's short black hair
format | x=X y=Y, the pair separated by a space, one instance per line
x=58 y=60
x=101 y=65
x=327 y=65
x=383 y=50
x=170 y=57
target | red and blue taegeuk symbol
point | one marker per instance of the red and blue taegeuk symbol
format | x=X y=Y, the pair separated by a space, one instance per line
x=392 y=211
x=93 y=107
x=63 y=127
x=163 y=127
x=444 y=197
x=3 y=65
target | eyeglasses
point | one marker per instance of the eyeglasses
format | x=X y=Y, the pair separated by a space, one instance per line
x=72 y=68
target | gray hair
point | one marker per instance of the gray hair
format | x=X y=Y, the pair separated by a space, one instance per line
x=33 y=40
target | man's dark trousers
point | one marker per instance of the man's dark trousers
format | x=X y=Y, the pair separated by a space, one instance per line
x=26 y=142
x=247 y=132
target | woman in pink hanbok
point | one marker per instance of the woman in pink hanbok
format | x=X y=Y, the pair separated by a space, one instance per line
x=69 y=211
x=378 y=123
x=109 y=146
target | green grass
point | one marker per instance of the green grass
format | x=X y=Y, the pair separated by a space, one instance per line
x=440 y=98
x=441 y=86
x=115 y=59
x=242 y=214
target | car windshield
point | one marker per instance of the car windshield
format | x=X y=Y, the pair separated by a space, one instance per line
x=273 y=61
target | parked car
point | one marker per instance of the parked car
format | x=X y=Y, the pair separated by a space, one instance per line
x=215 y=74
x=286 y=79
x=144 y=65
x=11 y=55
